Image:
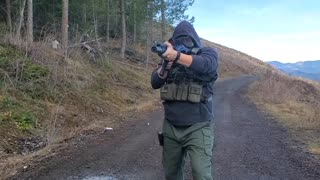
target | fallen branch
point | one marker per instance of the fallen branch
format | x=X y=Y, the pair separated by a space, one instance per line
x=132 y=65
x=86 y=42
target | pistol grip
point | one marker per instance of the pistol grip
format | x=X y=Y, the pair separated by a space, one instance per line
x=164 y=66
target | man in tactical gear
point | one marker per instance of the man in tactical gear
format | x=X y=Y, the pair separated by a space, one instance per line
x=186 y=88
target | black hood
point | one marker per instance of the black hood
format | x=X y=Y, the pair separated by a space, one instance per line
x=185 y=28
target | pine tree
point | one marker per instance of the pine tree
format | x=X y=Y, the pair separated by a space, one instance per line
x=123 y=27
x=30 y=22
x=64 y=25
x=9 y=20
x=21 y=17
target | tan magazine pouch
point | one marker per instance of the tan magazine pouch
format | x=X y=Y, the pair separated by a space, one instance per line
x=183 y=92
x=194 y=93
x=168 y=92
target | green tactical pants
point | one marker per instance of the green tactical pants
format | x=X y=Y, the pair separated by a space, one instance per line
x=196 y=142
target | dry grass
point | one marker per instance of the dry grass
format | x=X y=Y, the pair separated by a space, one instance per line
x=315 y=148
x=295 y=102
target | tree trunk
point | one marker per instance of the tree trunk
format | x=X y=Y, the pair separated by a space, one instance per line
x=85 y=14
x=30 y=23
x=134 y=23
x=108 y=21
x=9 y=20
x=123 y=22
x=163 y=20
x=149 y=32
x=95 y=21
x=18 y=32
x=65 y=25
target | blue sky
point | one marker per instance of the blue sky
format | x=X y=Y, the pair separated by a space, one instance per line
x=283 y=30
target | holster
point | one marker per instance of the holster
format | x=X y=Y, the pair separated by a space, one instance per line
x=160 y=138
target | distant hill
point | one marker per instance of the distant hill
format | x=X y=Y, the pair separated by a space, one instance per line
x=306 y=69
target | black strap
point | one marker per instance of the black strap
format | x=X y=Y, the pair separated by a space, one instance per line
x=177 y=57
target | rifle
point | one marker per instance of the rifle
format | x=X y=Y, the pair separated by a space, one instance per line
x=160 y=48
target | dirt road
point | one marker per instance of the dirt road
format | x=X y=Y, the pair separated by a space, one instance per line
x=249 y=145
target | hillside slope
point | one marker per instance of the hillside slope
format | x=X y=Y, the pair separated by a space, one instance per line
x=235 y=63
x=46 y=99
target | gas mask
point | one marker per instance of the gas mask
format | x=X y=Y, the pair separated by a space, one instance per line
x=183 y=44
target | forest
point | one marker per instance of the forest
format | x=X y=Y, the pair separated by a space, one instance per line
x=71 y=22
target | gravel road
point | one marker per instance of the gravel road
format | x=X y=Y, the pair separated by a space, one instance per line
x=249 y=145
